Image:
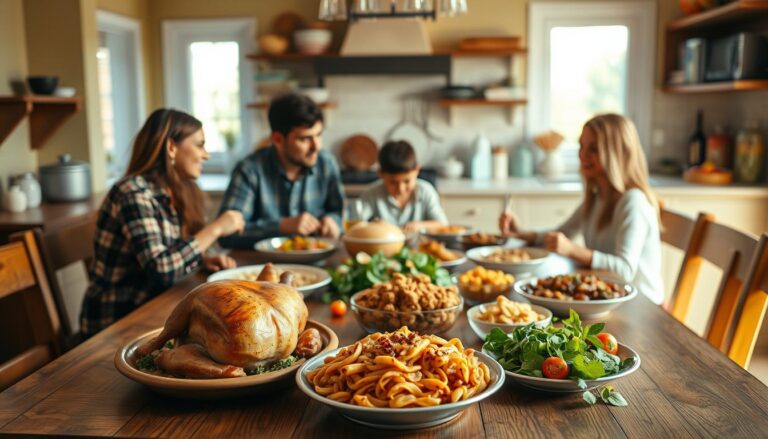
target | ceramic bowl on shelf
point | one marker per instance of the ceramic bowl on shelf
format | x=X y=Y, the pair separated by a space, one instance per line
x=312 y=41
x=43 y=85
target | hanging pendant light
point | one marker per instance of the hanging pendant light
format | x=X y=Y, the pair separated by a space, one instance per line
x=332 y=10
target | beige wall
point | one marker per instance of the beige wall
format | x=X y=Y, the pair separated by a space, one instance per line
x=15 y=154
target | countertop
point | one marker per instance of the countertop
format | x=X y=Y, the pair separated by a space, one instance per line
x=537 y=185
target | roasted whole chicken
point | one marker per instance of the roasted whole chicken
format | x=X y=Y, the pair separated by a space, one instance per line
x=225 y=328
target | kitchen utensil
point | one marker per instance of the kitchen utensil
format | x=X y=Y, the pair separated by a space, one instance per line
x=359 y=152
x=43 y=85
x=426 y=106
x=408 y=130
x=219 y=388
x=67 y=180
x=458 y=92
x=15 y=200
x=400 y=418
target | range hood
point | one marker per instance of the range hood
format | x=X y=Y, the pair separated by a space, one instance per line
x=389 y=37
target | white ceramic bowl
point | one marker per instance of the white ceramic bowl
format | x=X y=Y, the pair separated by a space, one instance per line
x=312 y=41
x=478 y=255
x=587 y=310
x=570 y=386
x=482 y=328
x=269 y=247
x=402 y=418
x=239 y=273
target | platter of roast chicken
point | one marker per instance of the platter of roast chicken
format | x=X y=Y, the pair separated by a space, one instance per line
x=248 y=330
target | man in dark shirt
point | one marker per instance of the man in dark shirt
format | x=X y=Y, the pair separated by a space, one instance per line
x=292 y=187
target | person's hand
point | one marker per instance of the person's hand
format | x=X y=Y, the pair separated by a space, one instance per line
x=329 y=228
x=412 y=227
x=229 y=222
x=558 y=243
x=304 y=224
x=218 y=262
x=508 y=223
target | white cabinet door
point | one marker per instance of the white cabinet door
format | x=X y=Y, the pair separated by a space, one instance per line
x=545 y=212
x=480 y=212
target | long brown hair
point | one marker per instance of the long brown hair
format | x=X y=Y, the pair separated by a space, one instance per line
x=149 y=159
x=623 y=160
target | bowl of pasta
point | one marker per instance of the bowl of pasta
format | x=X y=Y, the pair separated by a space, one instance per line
x=297 y=249
x=515 y=260
x=587 y=294
x=407 y=300
x=306 y=279
x=506 y=315
x=400 y=379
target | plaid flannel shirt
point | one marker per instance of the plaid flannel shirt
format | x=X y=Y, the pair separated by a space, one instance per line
x=138 y=254
x=260 y=190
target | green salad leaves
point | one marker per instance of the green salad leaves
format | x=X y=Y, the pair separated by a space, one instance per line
x=363 y=271
x=524 y=350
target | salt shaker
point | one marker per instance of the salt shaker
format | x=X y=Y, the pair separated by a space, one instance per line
x=31 y=188
x=15 y=200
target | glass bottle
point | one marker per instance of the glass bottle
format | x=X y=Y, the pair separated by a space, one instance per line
x=697 y=144
x=750 y=154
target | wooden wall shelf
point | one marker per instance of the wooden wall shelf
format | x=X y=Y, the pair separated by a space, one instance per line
x=718 y=86
x=731 y=13
x=478 y=102
x=46 y=115
x=265 y=105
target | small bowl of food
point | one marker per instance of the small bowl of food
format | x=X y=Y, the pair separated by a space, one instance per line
x=480 y=239
x=373 y=237
x=296 y=250
x=480 y=284
x=519 y=260
x=448 y=258
x=506 y=315
x=587 y=294
x=449 y=235
x=412 y=301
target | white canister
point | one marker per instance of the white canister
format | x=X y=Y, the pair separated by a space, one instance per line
x=31 y=188
x=14 y=200
x=552 y=166
x=500 y=163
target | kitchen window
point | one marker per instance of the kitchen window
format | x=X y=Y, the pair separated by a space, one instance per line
x=207 y=75
x=588 y=58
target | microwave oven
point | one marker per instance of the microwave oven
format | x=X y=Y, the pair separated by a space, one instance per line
x=736 y=57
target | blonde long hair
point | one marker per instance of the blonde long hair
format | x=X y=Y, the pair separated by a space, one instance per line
x=149 y=160
x=623 y=161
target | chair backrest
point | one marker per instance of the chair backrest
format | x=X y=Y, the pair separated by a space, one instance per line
x=685 y=234
x=25 y=291
x=751 y=307
x=60 y=248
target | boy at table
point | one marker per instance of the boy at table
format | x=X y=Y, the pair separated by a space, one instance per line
x=292 y=187
x=401 y=198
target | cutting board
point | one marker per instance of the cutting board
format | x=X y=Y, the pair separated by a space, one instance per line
x=359 y=152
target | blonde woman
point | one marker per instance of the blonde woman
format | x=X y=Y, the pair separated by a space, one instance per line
x=618 y=217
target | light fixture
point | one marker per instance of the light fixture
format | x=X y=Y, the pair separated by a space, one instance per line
x=331 y=10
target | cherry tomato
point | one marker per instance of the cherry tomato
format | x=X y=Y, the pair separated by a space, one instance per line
x=609 y=342
x=555 y=367
x=338 y=308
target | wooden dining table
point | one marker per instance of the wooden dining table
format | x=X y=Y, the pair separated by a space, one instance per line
x=684 y=388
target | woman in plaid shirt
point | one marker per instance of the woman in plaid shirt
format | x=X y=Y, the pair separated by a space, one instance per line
x=151 y=230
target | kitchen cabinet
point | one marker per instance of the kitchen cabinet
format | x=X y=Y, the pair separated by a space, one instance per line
x=481 y=212
x=734 y=17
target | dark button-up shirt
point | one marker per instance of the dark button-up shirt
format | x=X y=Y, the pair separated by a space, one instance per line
x=263 y=193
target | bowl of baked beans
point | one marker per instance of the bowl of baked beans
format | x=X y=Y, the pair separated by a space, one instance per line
x=589 y=295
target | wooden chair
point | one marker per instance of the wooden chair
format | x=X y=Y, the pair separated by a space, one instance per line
x=28 y=301
x=59 y=249
x=751 y=307
x=684 y=233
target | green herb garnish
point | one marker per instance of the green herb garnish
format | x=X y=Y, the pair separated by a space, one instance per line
x=279 y=364
x=147 y=363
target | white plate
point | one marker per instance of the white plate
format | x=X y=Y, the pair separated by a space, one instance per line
x=455 y=262
x=403 y=418
x=587 y=310
x=322 y=276
x=269 y=247
x=570 y=386
x=538 y=257
x=482 y=328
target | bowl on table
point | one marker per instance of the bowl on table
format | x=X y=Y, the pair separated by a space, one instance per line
x=219 y=388
x=373 y=237
x=449 y=235
x=434 y=321
x=479 y=239
x=308 y=279
x=454 y=263
x=587 y=309
x=400 y=418
x=482 y=328
x=535 y=258
x=479 y=284
x=271 y=247
x=571 y=386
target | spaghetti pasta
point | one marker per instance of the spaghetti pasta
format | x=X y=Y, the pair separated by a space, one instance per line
x=401 y=369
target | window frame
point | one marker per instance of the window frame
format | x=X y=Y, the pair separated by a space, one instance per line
x=640 y=19
x=178 y=33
